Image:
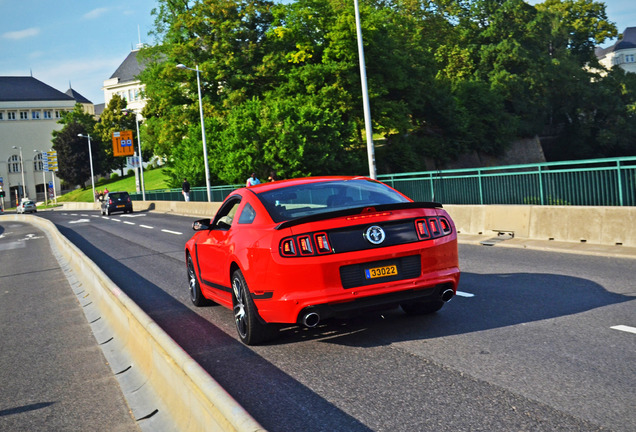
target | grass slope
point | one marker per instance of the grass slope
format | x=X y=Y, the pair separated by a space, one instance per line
x=153 y=179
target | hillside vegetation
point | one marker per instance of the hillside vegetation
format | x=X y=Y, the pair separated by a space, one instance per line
x=153 y=179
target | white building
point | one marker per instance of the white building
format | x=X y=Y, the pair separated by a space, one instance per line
x=124 y=82
x=29 y=112
x=622 y=53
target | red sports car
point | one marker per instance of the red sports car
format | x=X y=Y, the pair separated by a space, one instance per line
x=300 y=251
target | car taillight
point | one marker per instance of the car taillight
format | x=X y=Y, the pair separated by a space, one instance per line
x=287 y=247
x=110 y=201
x=304 y=244
x=422 y=232
x=446 y=228
x=322 y=243
x=432 y=227
x=310 y=244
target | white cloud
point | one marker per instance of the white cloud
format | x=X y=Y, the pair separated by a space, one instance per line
x=21 y=34
x=95 y=13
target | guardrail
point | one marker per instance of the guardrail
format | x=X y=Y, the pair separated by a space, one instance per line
x=593 y=182
x=165 y=387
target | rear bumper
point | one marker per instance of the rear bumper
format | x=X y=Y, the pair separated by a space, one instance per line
x=382 y=301
x=302 y=285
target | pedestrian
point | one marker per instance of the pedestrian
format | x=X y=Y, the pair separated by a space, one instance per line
x=105 y=191
x=97 y=194
x=272 y=177
x=252 y=180
x=185 y=189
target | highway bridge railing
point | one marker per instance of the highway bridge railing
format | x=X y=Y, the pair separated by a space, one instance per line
x=592 y=182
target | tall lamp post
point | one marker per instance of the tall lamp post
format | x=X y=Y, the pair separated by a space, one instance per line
x=141 y=160
x=90 y=156
x=24 y=191
x=205 y=148
x=365 y=96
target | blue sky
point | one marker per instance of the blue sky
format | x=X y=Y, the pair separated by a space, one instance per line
x=81 y=41
x=84 y=41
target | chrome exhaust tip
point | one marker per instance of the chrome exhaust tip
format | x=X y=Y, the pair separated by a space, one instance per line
x=311 y=319
x=447 y=295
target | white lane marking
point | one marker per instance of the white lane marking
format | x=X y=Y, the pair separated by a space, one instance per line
x=465 y=294
x=116 y=220
x=105 y=217
x=85 y=215
x=625 y=328
x=171 y=232
x=129 y=223
x=133 y=215
x=146 y=226
x=79 y=221
x=95 y=216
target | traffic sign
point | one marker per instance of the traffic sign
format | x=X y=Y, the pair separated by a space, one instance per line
x=123 y=143
x=132 y=161
x=49 y=161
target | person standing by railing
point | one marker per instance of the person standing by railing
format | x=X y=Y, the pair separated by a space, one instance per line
x=185 y=189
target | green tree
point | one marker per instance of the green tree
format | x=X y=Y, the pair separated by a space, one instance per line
x=72 y=151
x=72 y=154
x=113 y=119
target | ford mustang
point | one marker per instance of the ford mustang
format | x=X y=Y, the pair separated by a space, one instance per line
x=304 y=250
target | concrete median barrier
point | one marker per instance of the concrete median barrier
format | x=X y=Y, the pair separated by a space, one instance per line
x=191 y=208
x=166 y=388
x=609 y=226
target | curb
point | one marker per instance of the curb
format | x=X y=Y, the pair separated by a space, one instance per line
x=165 y=387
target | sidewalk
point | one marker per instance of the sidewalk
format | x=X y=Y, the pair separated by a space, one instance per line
x=53 y=374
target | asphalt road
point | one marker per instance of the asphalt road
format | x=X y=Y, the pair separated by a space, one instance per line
x=532 y=343
x=53 y=376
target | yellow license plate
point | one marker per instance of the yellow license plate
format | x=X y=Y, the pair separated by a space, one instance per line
x=121 y=206
x=384 y=271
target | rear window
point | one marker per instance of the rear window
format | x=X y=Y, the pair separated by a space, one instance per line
x=314 y=198
x=118 y=195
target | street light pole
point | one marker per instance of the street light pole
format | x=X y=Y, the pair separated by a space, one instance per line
x=90 y=156
x=365 y=96
x=24 y=191
x=205 y=148
x=141 y=160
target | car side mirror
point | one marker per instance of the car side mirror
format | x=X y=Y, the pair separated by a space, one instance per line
x=201 y=224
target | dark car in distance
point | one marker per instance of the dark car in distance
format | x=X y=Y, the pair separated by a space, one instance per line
x=115 y=202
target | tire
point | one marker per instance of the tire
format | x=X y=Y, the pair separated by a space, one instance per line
x=193 y=283
x=422 y=307
x=249 y=327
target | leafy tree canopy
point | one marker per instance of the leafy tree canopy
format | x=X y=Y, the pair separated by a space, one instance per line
x=280 y=83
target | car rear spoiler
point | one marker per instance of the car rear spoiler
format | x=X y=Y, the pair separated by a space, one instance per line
x=357 y=211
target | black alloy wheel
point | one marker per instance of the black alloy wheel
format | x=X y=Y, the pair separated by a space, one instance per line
x=193 y=284
x=250 y=328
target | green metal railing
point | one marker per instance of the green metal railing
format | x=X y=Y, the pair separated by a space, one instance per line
x=593 y=182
